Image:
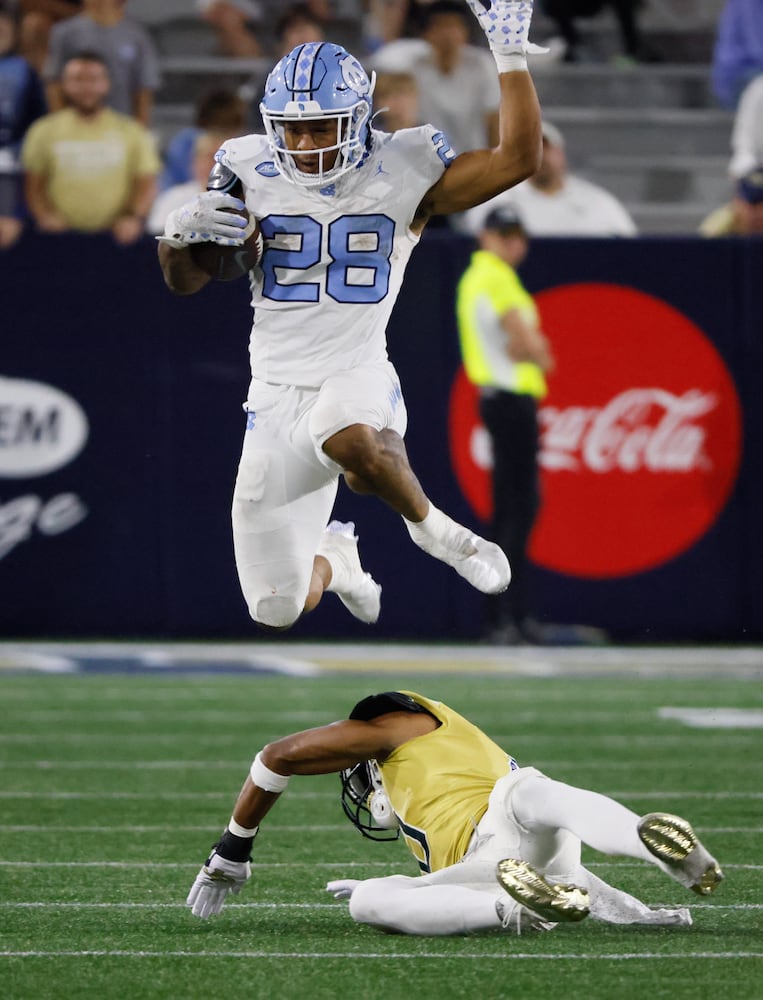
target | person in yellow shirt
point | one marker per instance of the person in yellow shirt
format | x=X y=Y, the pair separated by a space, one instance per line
x=89 y=168
x=499 y=844
x=506 y=355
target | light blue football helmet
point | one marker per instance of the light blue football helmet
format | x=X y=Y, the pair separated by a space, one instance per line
x=318 y=80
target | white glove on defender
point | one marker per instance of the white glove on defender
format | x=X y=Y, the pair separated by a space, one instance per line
x=506 y=24
x=343 y=888
x=203 y=219
x=216 y=879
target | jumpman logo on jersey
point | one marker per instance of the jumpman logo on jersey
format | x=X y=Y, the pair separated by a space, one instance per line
x=380 y=170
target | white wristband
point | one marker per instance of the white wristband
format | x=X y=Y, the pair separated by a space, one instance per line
x=241 y=831
x=509 y=62
x=264 y=778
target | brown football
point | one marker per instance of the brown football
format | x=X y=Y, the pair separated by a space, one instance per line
x=223 y=263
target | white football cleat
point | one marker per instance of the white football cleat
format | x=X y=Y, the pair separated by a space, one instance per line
x=356 y=589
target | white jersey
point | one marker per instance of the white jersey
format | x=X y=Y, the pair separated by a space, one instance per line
x=334 y=259
x=580 y=208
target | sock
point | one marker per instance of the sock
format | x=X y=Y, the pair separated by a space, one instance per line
x=435 y=528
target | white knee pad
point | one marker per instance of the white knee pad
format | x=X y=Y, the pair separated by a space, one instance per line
x=276 y=611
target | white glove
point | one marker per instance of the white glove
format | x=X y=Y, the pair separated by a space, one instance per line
x=506 y=24
x=216 y=879
x=343 y=888
x=203 y=219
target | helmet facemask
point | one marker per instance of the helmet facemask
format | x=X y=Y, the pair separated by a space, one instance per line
x=365 y=802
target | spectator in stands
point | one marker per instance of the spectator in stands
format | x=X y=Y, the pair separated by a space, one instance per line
x=217 y=110
x=397 y=98
x=506 y=355
x=554 y=202
x=242 y=26
x=565 y=12
x=458 y=90
x=747 y=135
x=126 y=48
x=738 y=52
x=22 y=101
x=38 y=17
x=743 y=216
x=297 y=26
x=205 y=146
x=89 y=168
x=235 y=23
x=388 y=20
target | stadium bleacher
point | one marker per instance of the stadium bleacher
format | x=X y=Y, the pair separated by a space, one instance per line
x=651 y=133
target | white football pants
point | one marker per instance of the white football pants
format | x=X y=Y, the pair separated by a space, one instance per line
x=530 y=817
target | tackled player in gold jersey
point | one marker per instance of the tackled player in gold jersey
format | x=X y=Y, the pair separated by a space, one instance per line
x=499 y=844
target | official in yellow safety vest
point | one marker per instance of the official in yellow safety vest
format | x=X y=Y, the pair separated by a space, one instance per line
x=507 y=356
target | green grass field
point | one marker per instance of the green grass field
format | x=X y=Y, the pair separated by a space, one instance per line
x=114 y=786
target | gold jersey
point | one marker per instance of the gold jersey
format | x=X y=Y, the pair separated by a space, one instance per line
x=439 y=785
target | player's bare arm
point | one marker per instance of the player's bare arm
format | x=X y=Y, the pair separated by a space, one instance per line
x=481 y=174
x=327 y=750
x=476 y=176
x=181 y=275
x=340 y=744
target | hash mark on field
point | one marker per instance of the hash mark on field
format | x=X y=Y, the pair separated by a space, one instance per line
x=386 y=956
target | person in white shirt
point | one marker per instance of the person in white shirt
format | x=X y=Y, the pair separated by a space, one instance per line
x=341 y=207
x=457 y=85
x=554 y=202
x=747 y=135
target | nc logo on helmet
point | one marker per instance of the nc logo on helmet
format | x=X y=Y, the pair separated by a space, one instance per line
x=354 y=75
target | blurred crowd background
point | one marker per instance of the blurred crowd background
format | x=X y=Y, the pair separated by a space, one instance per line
x=653 y=108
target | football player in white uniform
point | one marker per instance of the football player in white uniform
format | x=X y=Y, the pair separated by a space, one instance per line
x=341 y=207
x=498 y=844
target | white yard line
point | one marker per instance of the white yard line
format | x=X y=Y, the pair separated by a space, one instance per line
x=206 y=765
x=387 y=956
x=55 y=905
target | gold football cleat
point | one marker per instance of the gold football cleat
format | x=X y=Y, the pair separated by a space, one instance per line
x=550 y=901
x=672 y=840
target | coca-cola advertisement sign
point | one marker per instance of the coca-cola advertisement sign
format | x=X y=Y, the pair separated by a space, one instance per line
x=640 y=434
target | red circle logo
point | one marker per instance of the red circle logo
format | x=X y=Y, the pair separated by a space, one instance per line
x=640 y=434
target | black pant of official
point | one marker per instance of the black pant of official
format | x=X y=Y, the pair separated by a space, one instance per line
x=511 y=420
